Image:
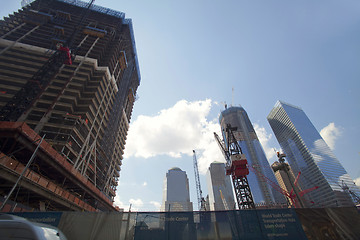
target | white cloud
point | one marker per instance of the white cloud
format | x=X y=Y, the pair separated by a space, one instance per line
x=144 y=184
x=157 y=205
x=330 y=133
x=357 y=181
x=119 y=203
x=136 y=204
x=264 y=139
x=176 y=131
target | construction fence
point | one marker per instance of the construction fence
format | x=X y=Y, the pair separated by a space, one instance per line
x=311 y=223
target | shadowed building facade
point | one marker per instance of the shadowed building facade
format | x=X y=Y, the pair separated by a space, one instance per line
x=287 y=181
x=219 y=183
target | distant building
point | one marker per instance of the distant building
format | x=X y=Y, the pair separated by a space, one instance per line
x=308 y=153
x=218 y=182
x=207 y=205
x=262 y=192
x=176 y=195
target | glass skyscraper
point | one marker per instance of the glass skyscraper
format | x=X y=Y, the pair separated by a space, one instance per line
x=176 y=195
x=308 y=153
x=245 y=134
x=219 y=183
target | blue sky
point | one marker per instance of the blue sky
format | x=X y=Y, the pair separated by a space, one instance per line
x=193 y=53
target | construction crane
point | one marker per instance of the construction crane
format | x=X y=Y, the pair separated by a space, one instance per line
x=201 y=200
x=236 y=166
x=352 y=194
x=25 y=98
x=224 y=201
x=294 y=195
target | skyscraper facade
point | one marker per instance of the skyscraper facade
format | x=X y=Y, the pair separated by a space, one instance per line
x=176 y=195
x=221 y=196
x=260 y=170
x=69 y=73
x=308 y=153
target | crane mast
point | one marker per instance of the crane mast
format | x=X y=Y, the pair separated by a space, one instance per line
x=201 y=200
x=236 y=166
x=352 y=194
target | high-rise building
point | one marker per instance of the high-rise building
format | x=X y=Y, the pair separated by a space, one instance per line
x=219 y=184
x=308 y=153
x=287 y=181
x=176 y=195
x=79 y=98
x=260 y=170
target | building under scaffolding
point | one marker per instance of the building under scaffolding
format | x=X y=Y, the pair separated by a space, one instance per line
x=83 y=107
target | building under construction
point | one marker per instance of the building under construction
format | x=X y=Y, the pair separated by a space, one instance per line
x=69 y=73
x=287 y=181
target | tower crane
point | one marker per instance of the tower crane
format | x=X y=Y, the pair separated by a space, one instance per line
x=224 y=201
x=296 y=197
x=201 y=200
x=236 y=166
x=352 y=194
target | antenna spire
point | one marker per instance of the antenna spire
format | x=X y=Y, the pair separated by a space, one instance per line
x=232 y=97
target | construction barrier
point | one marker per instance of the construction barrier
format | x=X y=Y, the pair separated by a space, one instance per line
x=311 y=223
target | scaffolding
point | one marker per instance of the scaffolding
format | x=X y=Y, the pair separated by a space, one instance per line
x=84 y=109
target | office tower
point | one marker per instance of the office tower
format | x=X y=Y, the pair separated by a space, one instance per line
x=176 y=196
x=308 y=153
x=260 y=170
x=80 y=98
x=219 y=184
x=287 y=181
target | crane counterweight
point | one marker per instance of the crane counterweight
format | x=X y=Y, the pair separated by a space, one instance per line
x=237 y=167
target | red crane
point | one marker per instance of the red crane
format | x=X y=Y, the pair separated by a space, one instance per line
x=236 y=166
x=295 y=197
